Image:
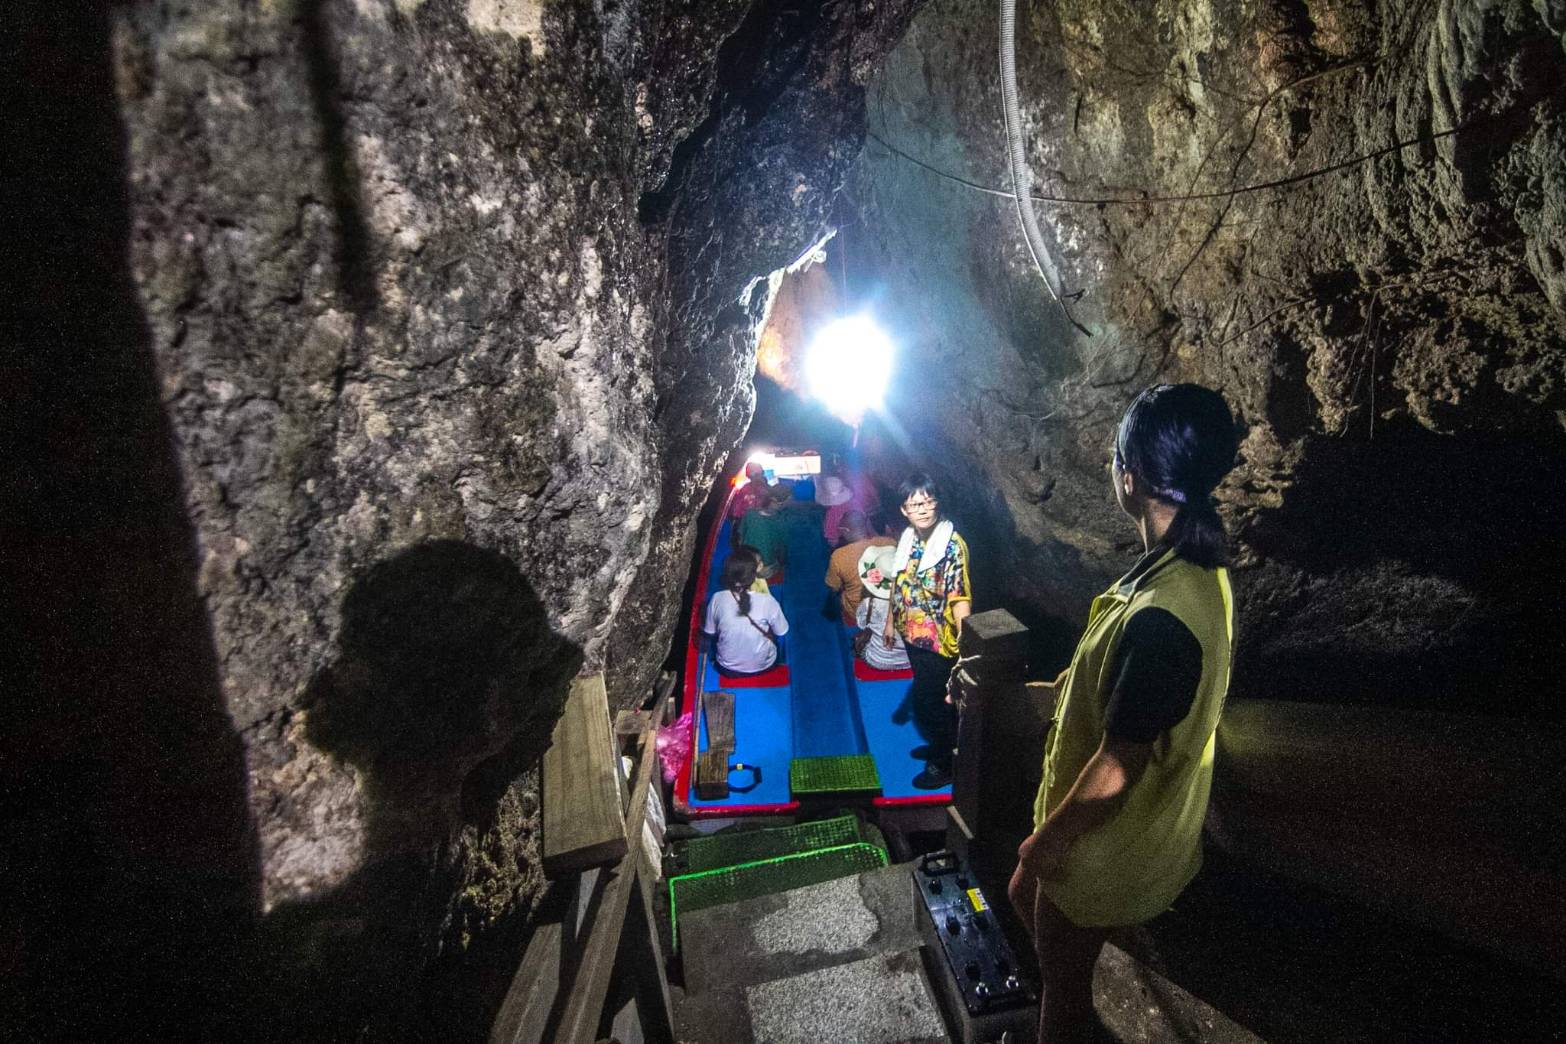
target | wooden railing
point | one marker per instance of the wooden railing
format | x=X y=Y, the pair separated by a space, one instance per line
x=602 y=918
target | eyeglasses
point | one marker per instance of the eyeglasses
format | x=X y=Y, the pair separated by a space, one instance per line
x=918 y=505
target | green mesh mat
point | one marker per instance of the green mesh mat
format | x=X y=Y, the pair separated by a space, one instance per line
x=731 y=849
x=691 y=892
x=833 y=774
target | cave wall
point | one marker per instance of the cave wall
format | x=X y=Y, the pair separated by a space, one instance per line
x=380 y=356
x=1390 y=331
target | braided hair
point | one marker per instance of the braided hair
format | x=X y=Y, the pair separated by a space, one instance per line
x=739 y=572
x=1179 y=440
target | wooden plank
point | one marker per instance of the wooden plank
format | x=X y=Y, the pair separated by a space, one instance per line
x=559 y=992
x=582 y=823
x=712 y=764
x=589 y=987
x=524 y=1014
x=648 y=955
x=720 y=719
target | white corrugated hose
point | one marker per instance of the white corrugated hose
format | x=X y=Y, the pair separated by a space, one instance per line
x=1021 y=175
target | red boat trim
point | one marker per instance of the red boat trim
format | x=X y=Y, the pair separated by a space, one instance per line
x=692 y=689
x=912 y=799
x=693 y=680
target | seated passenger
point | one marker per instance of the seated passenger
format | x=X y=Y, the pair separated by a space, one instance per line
x=756 y=491
x=762 y=572
x=841 y=490
x=743 y=628
x=843 y=568
x=765 y=529
x=875 y=576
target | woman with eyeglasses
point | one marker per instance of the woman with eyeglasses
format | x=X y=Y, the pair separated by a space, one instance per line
x=931 y=596
x=1128 y=766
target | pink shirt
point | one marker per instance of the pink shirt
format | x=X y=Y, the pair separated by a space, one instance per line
x=862 y=500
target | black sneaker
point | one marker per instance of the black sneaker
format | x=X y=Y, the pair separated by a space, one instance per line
x=933 y=778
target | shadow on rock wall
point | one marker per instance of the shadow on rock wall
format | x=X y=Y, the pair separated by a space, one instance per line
x=445 y=687
x=445 y=662
x=129 y=858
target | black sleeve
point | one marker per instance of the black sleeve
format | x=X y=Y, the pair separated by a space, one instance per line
x=1159 y=666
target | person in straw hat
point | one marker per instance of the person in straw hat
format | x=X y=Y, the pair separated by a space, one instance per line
x=873 y=610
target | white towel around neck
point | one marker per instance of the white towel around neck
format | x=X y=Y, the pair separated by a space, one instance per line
x=934 y=548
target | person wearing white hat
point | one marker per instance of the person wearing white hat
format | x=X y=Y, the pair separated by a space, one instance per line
x=840 y=492
x=877 y=562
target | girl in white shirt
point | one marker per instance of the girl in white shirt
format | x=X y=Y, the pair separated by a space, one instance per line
x=743 y=627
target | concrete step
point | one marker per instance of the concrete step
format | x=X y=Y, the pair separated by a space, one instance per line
x=1139 y=1006
x=832 y=961
x=880 y=999
x=839 y=961
x=818 y=926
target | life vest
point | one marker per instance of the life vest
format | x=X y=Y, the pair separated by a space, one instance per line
x=1131 y=867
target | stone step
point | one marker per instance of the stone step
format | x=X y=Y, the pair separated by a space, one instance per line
x=832 y=961
x=880 y=999
x=1139 y=1006
x=804 y=929
x=839 y=961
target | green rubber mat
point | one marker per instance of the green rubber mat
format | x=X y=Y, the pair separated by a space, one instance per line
x=833 y=775
x=748 y=846
x=691 y=892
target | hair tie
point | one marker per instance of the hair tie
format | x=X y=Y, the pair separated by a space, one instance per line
x=1171 y=494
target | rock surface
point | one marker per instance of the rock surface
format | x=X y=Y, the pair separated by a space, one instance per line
x=1387 y=324
x=434 y=319
x=368 y=362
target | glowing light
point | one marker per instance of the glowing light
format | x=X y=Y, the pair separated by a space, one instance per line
x=848 y=366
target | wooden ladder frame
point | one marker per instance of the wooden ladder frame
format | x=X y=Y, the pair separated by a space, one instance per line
x=559 y=991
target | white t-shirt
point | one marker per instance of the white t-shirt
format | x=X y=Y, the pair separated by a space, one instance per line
x=741 y=646
x=872 y=617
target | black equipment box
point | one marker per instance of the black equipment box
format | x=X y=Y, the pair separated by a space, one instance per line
x=976 y=975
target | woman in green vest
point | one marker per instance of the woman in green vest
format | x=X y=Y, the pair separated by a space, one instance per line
x=1128 y=765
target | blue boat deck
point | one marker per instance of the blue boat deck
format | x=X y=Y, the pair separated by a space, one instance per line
x=823 y=709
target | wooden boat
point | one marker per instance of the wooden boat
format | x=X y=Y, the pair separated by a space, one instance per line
x=817 y=728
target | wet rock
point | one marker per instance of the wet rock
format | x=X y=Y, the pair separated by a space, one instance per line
x=426 y=324
x=1405 y=280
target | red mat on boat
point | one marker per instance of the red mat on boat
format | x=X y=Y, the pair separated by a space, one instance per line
x=864 y=672
x=774 y=678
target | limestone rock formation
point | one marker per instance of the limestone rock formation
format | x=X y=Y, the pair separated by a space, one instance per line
x=368 y=362
x=441 y=316
x=1379 y=300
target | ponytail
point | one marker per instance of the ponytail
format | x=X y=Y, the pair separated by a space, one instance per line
x=1197 y=534
x=1179 y=441
x=739 y=572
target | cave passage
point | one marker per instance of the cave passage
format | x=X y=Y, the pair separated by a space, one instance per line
x=375 y=375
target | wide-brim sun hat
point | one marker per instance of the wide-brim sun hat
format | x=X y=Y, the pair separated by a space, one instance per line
x=882 y=558
x=832 y=491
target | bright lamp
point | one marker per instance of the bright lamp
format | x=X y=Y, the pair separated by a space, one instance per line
x=848 y=365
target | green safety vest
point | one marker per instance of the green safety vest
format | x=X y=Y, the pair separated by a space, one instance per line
x=1132 y=867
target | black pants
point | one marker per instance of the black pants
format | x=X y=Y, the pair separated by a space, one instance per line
x=935 y=719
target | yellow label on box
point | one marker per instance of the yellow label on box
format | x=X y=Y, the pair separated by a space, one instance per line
x=976 y=897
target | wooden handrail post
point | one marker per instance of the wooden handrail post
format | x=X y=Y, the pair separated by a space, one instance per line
x=1000 y=738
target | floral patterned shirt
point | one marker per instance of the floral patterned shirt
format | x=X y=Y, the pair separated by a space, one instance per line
x=922 y=601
